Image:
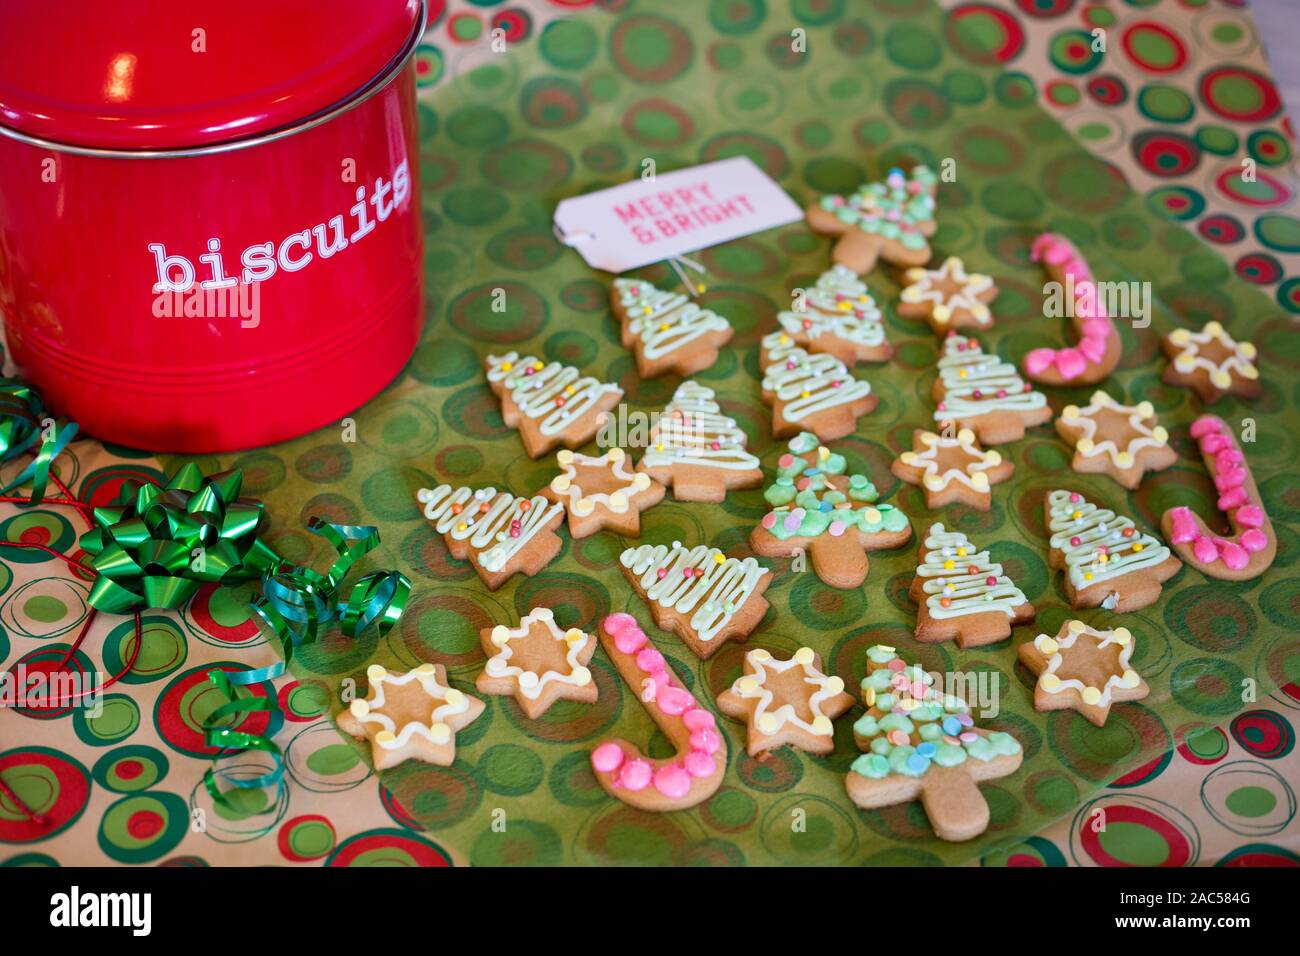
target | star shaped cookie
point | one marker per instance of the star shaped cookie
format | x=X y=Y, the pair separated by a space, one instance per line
x=410 y=716
x=537 y=663
x=951 y=469
x=948 y=297
x=602 y=492
x=1083 y=669
x=1211 y=363
x=1123 y=441
x=786 y=702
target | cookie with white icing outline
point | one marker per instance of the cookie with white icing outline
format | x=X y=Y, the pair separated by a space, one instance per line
x=1107 y=561
x=499 y=534
x=1211 y=363
x=919 y=743
x=890 y=220
x=952 y=469
x=700 y=594
x=667 y=331
x=698 y=451
x=537 y=663
x=981 y=392
x=410 y=716
x=948 y=297
x=601 y=492
x=838 y=317
x=813 y=393
x=1248 y=551
x=962 y=594
x=1110 y=438
x=1083 y=669
x=786 y=702
x=550 y=404
x=833 y=517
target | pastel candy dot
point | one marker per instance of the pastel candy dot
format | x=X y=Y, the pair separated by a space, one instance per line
x=439 y=733
x=822 y=725
x=1049 y=682
x=672 y=781
x=649 y=660
x=635 y=775
x=837 y=528
x=951 y=726
x=708 y=741
x=917 y=764
x=1091 y=695
x=769 y=520
x=926 y=750
x=768 y=724
x=618 y=622
x=699 y=764
x=630 y=641
x=674 y=701
x=607 y=758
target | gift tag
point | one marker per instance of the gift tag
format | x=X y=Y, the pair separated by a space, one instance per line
x=632 y=225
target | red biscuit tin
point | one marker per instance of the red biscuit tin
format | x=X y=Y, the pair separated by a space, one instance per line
x=210 y=232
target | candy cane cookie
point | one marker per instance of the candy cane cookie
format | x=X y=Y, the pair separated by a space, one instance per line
x=499 y=534
x=1099 y=348
x=549 y=403
x=695 y=770
x=667 y=331
x=1251 y=547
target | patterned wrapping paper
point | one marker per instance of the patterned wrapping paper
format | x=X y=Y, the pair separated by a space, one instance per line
x=497 y=150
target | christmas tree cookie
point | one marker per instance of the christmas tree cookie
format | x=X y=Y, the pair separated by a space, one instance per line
x=833 y=517
x=667 y=331
x=838 y=317
x=697 y=451
x=952 y=468
x=812 y=393
x=551 y=404
x=786 y=702
x=981 y=392
x=948 y=297
x=1083 y=669
x=890 y=220
x=1107 y=561
x=700 y=594
x=496 y=532
x=920 y=743
x=963 y=594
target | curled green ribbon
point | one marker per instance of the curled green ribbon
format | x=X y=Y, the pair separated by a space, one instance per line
x=22 y=418
x=154 y=546
x=219 y=732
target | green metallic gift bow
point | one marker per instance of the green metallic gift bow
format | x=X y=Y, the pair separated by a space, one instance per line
x=154 y=547
x=22 y=412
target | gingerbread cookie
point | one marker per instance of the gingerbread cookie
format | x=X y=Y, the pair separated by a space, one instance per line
x=890 y=220
x=697 y=451
x=1083 y=669
x=1250 y=549
x=812 y=393
x=700 y=594
x=601 y=492
x=695 y=770
x=834 y=517
x=551 y=404
x=963 y=594
x=1099 y=348
x=1122 y=441
x=981 y=392
x=1211 y=363
x=667 y=331
x=840 y=318
x=952 y=469
x=411 y=716
x=920 y=743
x=499 y=534
x=948 y=297
x=1107 y=561
x=786 y=702
x=537 y=663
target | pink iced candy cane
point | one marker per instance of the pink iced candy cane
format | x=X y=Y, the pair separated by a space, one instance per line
x=694 y=772
x=1097 y=352
x=1250 y=549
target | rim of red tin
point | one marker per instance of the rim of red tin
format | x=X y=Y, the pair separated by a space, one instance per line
x=380 y=80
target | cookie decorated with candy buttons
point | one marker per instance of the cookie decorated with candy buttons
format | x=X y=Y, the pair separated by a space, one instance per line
x=890 y=220
x=786 y=702
x=1083 y=669
x=601 y=492
x=537 y=663
x=952 y=468
x=1211 y=363
x=410 y=716
x=1110 y=438
x=948 y=297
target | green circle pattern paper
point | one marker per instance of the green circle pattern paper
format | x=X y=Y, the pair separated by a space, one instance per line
x=881 y=84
